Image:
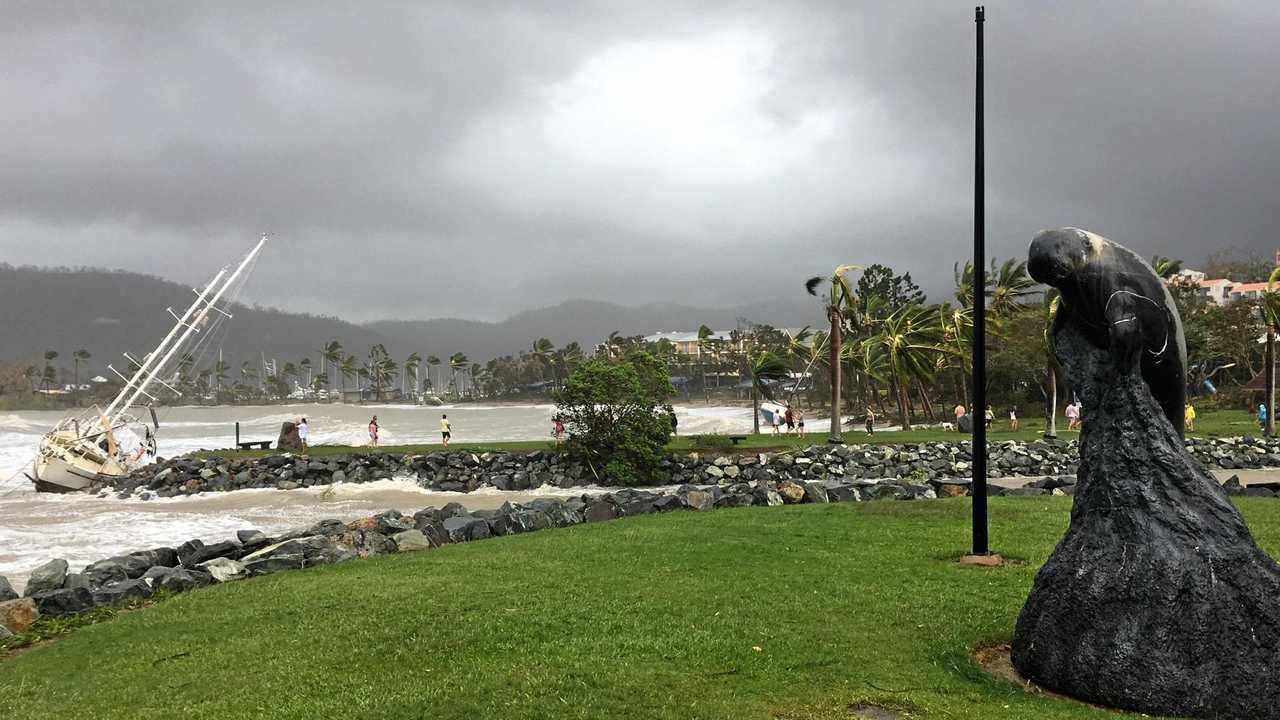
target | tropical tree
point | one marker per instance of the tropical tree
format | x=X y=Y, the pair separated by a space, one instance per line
x=221 y=371
x=457 y=361
x=331 y=357
x=544 y=350
x=78 y=357
x=912 y=338
x=766 y=367
x=50 y=375
x=349 y=367
x=1165 y=267
x=1269 y=307
x=1008 y=287
x=839 y=294
x=411 y=365
x=1052 y=300
x=380 y=369
x=304 y=365
x=432 y=361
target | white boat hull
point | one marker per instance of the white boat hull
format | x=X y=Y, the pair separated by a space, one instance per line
x=58 y=475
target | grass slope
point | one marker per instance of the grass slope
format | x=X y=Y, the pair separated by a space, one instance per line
x=794 y=612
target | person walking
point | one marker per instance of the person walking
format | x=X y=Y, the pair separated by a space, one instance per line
x=1189 y=417
x=373 y=432
x=989 y=416
x=958 y=412
x=675 y=422
x=1262 y=416
x=870 y=421
x=446 y=430
x=1013 y=418
x=557 y=429
x=1073 y=416
x=790 y=418
x=776 y=421
x=800 y=421
x=303 y=432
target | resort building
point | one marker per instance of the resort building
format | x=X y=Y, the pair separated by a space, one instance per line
x=1219 y=291
x=687 y=343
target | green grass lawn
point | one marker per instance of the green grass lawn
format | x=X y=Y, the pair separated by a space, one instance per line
x=1209 y=424
x=793 y=612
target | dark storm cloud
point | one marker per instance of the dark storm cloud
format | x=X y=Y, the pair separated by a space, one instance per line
x=474 y=159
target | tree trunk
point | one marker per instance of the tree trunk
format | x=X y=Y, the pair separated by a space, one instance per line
x=1051 y=402
x=755 y=410
x=1271 y=381
x=834 y=357
x=902 y=400
x=924 y=399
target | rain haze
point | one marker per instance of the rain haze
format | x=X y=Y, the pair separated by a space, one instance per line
x=477 y=159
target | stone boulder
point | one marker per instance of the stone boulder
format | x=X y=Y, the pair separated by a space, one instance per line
x=63 y=601
x=6 y=590
x=410 y=540
x=176 y=579
x=791 y=492
x=464 y=529
x=102 y=573
x=18 y=614
x=49 y=576
x=205 y=553
x=135 y=589
x=600 y=510
x=224 y=569
x=289 y=440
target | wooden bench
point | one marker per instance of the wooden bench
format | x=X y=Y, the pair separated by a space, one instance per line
x=264 y=444
x=735 y=439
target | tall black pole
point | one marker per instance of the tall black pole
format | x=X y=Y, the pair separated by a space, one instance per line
x=979 y=410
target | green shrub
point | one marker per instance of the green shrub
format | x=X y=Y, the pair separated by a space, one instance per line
x=618 y=417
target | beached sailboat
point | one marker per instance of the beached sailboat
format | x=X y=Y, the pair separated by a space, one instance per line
x=112 y=442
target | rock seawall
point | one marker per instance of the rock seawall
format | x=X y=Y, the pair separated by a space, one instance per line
x=941 y=463
x=54 y=591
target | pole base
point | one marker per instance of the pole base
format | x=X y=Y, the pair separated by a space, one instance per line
x=835 y=440
x=988 y=560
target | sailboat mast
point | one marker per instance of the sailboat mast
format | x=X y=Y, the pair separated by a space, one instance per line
x=204 y=311
x=150 y=358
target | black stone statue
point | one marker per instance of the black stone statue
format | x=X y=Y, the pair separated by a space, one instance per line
x=1120 y=305
x=1157 y=599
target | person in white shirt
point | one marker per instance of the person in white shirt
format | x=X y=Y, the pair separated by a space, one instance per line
x=302 y=432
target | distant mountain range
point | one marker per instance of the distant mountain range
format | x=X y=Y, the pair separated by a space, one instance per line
x=111 y=312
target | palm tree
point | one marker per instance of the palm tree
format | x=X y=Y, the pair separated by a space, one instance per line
x=305 y=365
x=456 y=361
x=1165 y=267
x=411 y=365
x=380 y=368
x=912 y=339
x=765 y=367
x=545 y=352
x=432 y=361
x=1270 y=310
x=347 y=367
x=1052 y=299
x=331 y=356
x=220 y=372
x=78 y=357
x=50 y=375
x=1007 y=287
x=839 y=294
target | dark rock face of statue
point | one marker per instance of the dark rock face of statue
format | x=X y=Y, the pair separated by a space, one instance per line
x=1157 y=599
x=1120 y=305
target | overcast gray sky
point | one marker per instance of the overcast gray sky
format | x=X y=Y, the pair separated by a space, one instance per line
x=474 y=159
